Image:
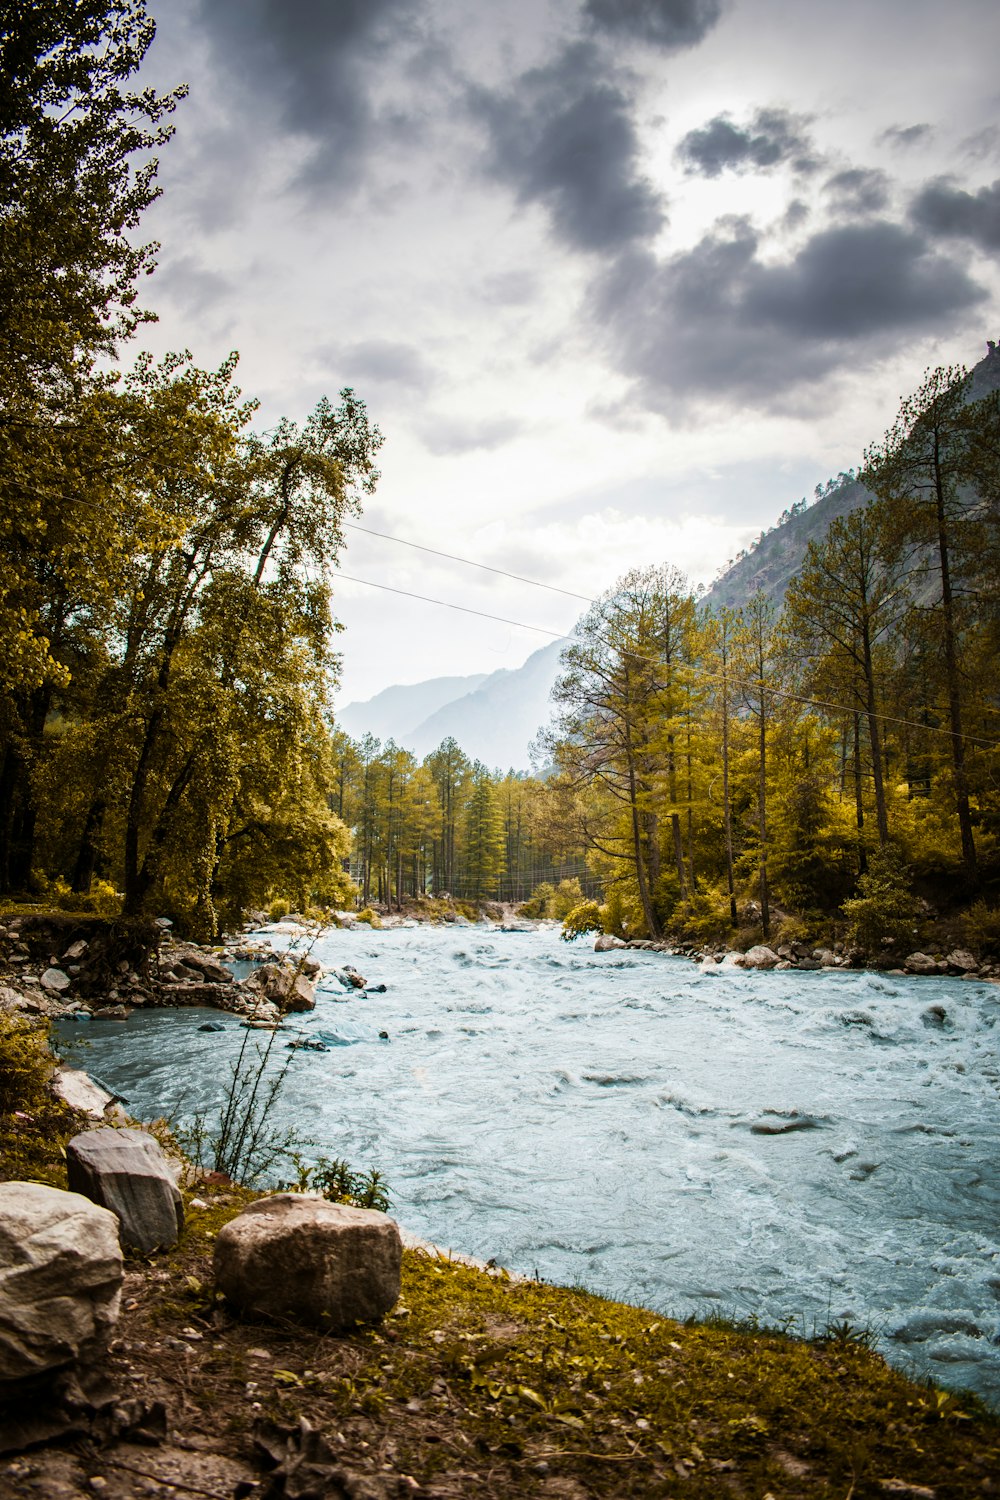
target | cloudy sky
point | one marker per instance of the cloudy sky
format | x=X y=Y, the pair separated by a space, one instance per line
x=618 y=279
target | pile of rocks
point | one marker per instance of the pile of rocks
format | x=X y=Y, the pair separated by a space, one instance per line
x=959 y=962
x=56 y=963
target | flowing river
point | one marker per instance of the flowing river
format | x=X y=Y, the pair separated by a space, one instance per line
x=797 y=1147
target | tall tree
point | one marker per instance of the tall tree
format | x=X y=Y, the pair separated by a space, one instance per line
x=845 y=601
x=918 y=468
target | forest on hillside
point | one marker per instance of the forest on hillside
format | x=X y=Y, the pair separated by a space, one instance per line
x=168 y=652
x=714 y=767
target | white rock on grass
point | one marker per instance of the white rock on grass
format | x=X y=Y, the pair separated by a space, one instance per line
x=60 y=1279
x=77 y=1089
x=326 y=1264
x=127 y=1172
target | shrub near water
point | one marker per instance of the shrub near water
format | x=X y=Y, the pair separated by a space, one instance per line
x=25 y=1064
x=885 y=907
x=34 y=1126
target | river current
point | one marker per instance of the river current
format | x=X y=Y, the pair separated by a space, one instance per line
x=799 y=1147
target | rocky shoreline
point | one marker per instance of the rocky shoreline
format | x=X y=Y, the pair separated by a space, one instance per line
x=958 y=963
x=58 y=966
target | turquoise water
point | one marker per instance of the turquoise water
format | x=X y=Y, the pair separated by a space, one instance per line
x=800 y=1146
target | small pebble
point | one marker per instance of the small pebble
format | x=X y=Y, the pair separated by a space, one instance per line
x=383 y=1036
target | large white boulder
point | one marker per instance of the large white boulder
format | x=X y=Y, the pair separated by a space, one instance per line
x=760 y=957
x=60 y=1279
x=296 y=1256
x=127 y=1172
x=607 y=941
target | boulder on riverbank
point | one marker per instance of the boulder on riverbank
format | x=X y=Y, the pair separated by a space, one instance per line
x=126 y=1171
x=758 y=957
x=607 y=942
x=60 y=1279
x=295 y=1256
x=285 y=984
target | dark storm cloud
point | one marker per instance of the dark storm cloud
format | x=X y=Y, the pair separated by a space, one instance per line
x=772 y=137
x=860 y=190
x=950 y=212
x=381 y=361
x=906 y=135
x=310 y=64
x=719 y=321
x=563 y=137
x=671 y=24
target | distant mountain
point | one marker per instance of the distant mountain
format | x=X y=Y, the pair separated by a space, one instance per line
x=396 y=711
x=774 y=560
x=494 y=718
x=497 y=721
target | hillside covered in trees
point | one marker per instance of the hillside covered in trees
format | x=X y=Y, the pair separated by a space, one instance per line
x=716 y=763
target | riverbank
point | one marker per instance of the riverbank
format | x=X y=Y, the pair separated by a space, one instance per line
x=479 y=1385
x=476 y=1386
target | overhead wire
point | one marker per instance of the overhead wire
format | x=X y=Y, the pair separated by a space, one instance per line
x=737 y=682
x=468 y=561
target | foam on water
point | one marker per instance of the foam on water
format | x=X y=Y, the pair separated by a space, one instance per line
x=805 y=1146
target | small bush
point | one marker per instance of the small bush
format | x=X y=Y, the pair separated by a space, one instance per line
x=981 y=926
x=885 y=907
x=335 y=1180
x=25 y=1064
x=369 y=916
x=278 y=910
x=537 y=906
x=583 y=918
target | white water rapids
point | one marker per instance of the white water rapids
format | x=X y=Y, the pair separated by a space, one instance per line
x=808 y=1147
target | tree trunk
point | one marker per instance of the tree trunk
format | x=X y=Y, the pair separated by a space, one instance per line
x=951 y=672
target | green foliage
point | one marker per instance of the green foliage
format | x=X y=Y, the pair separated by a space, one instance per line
x=338 y=1183
x=884 y=910
x=278 y=910
x=553 y=902
x=369 y=917
x=586 y=917
x=981 y=927
x=539 y=903
x=25 y=1063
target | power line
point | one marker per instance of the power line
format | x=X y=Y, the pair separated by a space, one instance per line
x=468 y=561
x=738 y=682
x=557 y=635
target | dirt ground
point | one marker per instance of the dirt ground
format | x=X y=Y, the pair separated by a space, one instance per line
x=477 y=1385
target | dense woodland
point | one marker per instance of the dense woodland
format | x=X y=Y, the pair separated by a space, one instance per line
x=167 y=648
